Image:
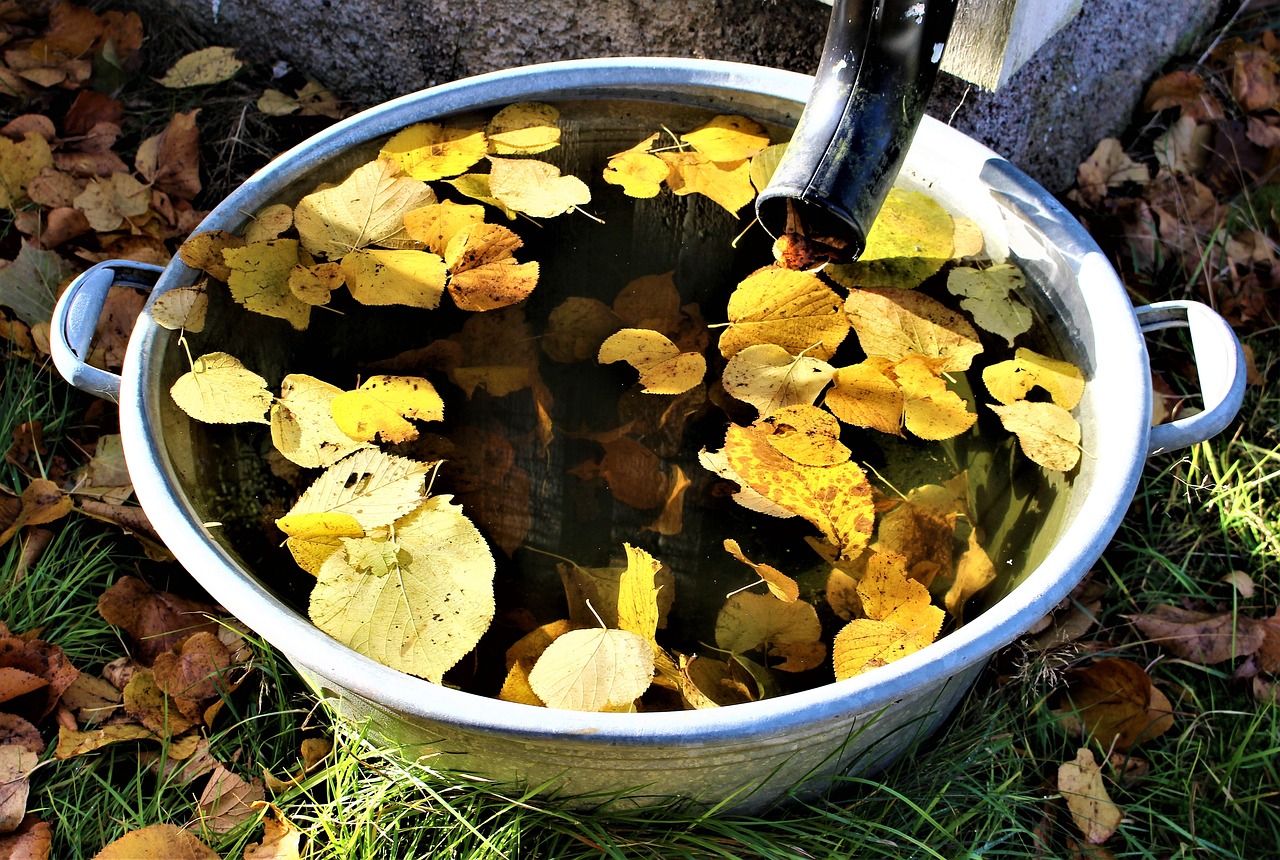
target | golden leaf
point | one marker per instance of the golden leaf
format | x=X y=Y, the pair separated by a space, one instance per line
x=476 y=186
x=157 y=841
x=431 y=606
x=894 y=324
x=535 y=188
x=717 y=463
x=428 y=151
x=1080 y=782
x=516 y=687
x=770 y=378
x=203 y=251
x=974 y=572
x=748 y=622
x=389 y=277
x=910 y=239
x=900 y=619
x=793 y=310
x=663 y=368
x=523 y=128
x=220 y=390
x=637 y=171
x=269 y=223
x=594 y=670
x=259 y=279
x=483 y=273
x=728 y=138
x=314 y=284
x=727 y=183
x=779 y=584
x=987 y=297
x=316 y=536
x=202 y=68
x=436 y=223
x=836 y=499
x=638 y=588
x=302 y=425
x=366 y=208
x=1009 y=381
x=865 y=395
x=931 y=410
x=381 y=406
x=1046 y=433
x=181 y=308
x=806 y=434
x=372 y=487
x=21 y=162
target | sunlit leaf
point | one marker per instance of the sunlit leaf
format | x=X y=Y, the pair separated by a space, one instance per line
x=1046 y=432
x=535 y=188
x=220 y=390
x=770 y=378
x=428 y=151
x=663 y=368
x=792 y=310
x=523 y=128
x=302 y=424
x=593 y=670
x=367 y=208
x=382 y=406
x=728 y=138
x=1010 y=381
x=894 y=324
x=989 y=296
x=258 y=276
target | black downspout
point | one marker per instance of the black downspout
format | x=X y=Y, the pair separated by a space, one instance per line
x=878 y=66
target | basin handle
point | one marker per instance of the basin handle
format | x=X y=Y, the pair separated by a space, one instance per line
x=1219 y=361
x=75 y=319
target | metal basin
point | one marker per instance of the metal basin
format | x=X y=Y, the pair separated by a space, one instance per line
x=748 y=754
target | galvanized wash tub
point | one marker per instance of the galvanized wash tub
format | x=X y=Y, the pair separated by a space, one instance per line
x=752 y=753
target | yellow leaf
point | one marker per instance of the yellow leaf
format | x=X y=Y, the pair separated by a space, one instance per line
x=72 y=743
x=931 y=411
x=259 y=280
x=865 y=395
x=594 y=670
x=388 y=277
x=302 y=425
x=894 y=324
x=910 y=239
x=202 y=68
x=157 y=842
x=220 y=390
x=516 y=687
x=269 y=223
x=483 y=273
x=380 y=406
x=428 y=151
x=280 y=838
x=663 y=368
x=780 y=585
x=727 y=183
x=770 y=378
x=20 y=162
x=535 y=188
x=1080 y=782
x=968 y=238
x=316 y=536
x=366 y=208
x=974 y=572
x=431 y=606
x=476 y=186
x=709 y=683
x=748 y=622
x=764 y=163
x=372 y=487
x=836 y=499
x=1046 y=433
x=181 y=308
x=728 y=138
x=637 y=171
x=16 y=765
x=575 y=329
x=864 y=644
x=203 y=251
x=790 y=309
x=314 y=284
x=921 y=528
x=638 y=589
x=109 y=202
x=806 y=434
x=988 y=298
x=601 y=586
x=435 y=224
x=885 y=589
x=523 y=128
x=1009 y=381
x=717 y=463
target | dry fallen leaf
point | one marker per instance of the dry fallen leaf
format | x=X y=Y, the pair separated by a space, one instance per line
x=202 y=68
x=156 y=621
x=157 y=842
x=1201 y=637
x=1113 y=703
x=1080 y=782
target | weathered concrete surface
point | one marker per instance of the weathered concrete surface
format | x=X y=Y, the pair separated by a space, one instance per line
x=1081 y=86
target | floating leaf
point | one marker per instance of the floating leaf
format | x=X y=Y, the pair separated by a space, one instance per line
x=381 y=406
x=220 y=390
x=728 y=183
x=894 y=324
x=314 y=537
x=770 y=378
x=428 y=151
x=430 y=607
x=483 y=273
x=663 y=368
x=1080 y=782
x=637 y=171
x=202 y=68
x=181 y=308
x=638 y=589
x=792 y=310
x=203 y=251
x=476 y=186
x=717 y=463
x=302 y=424
x=987 y=297
x=523 y=128
x=535 y=188
x=728 y=138
x=806 y=434
x=259 y=279
x=866 y=395
x=764 y=163
x=366 y=208
x=900 y=619
x=372 y=487
x=1009 y=381
x=780 y=585
x=1046 y=433
x=269 y=223
x=930 y=409
x=910 y=239
x=594 y=670
x=391 y=277
x=435 y=224
x=748 y=622
x=314 y=284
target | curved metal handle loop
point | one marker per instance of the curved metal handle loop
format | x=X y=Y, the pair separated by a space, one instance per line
x=1219 y=361
x=75 y=319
